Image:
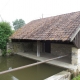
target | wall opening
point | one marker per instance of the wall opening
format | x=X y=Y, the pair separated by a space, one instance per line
x=47 y=47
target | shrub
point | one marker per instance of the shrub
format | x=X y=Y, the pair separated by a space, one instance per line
x=5 y=32
x=77 y=78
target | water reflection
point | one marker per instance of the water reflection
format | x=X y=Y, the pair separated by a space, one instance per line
x=13 y=78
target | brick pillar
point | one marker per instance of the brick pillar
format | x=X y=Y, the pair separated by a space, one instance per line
x=75 y=56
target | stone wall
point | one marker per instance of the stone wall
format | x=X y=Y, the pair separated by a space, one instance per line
x=23 y=47
x=61 y=49
x=75 y=56
x=34 y=47
x=56 y=49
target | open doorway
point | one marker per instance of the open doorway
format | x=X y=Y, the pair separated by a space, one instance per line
x=47 y=47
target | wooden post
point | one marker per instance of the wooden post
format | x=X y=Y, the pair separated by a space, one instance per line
x=38 y=48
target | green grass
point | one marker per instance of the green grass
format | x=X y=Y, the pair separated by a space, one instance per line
x=77 y=78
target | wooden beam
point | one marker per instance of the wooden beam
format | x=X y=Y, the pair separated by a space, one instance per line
x=38 y=48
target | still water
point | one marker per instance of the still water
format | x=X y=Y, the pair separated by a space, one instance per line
x=39 y=72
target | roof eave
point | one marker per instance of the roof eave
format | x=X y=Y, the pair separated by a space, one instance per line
x=74 y=34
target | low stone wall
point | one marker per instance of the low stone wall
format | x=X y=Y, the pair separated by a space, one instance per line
x=64 y=75
x=23 y=47
x=61 y=49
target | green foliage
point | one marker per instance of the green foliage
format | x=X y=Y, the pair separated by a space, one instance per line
x=5 y=32
x=3 y=52
x=9 y=51
x=18 y=23
x=13 y=31
x=76 y=78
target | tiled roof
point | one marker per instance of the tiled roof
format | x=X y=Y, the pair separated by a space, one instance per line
x=59 y=27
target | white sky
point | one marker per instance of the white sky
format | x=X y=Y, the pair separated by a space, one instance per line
x=29 y=10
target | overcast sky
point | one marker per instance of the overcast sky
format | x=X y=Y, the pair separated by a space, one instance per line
x=29 y=10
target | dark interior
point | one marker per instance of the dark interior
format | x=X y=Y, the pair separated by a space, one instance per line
x=47 y=47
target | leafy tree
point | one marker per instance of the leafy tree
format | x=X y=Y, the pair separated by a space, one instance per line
x=5 y=32
x=18 y=23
